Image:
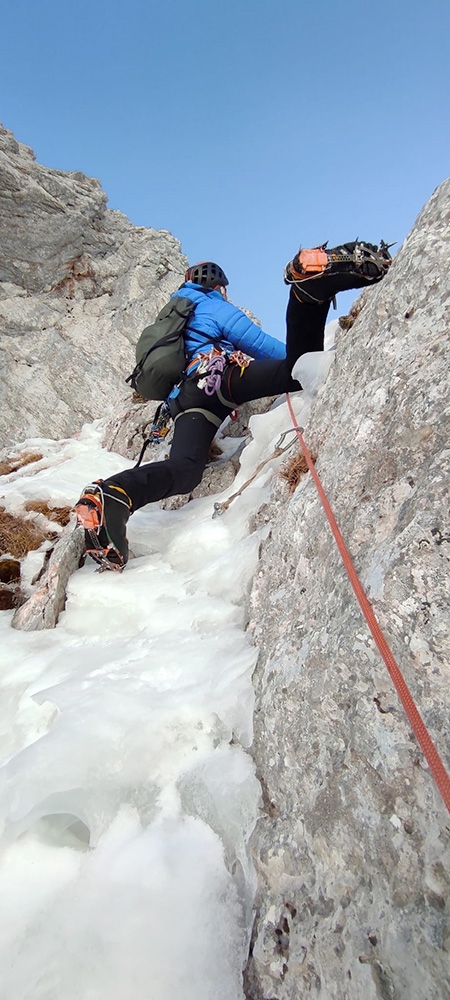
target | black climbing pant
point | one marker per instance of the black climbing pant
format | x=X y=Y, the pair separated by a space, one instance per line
x=198 y=416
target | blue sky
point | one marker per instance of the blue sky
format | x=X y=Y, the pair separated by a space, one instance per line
x=244 y=128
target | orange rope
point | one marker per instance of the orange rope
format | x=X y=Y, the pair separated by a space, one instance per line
x=434 y=761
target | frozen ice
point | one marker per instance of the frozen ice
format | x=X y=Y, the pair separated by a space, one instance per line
x=311 y=371
x=128 y=797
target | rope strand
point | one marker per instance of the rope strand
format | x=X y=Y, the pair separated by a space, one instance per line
x=420 y=730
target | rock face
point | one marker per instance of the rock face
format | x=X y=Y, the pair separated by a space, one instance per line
x=78 y=282
x=352 y=848
x=42 y=609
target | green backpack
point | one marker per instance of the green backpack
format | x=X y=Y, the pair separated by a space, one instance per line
x=160 y=351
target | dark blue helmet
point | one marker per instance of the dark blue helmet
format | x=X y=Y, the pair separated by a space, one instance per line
x=207 y=274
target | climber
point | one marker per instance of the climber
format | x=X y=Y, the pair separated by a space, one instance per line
x=240 y=363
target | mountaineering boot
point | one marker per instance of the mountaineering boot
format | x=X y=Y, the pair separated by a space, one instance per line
x=103 y=511
x=319 y=274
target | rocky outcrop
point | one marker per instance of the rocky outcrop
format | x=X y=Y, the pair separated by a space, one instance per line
x=352 y=848
x=43 y=608
x=78 y=282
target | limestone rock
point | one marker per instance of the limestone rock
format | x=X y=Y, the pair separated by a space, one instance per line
x=129 y=426
x=42 y=609
x=352 y=847
x=78 y=283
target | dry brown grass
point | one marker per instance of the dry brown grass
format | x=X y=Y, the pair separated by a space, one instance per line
x=346 y=322
x=294 y=469
x=137 y=398
x=9 y=570
x=59 y=514
x=17 y=536
x=10 y=597
x=214 y=452
x=13 y=464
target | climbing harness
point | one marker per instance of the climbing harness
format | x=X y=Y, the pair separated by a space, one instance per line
x=208 y=369
x=420 y=730
x=220 y=508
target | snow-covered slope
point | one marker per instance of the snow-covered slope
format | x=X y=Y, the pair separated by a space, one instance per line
x=128 y=797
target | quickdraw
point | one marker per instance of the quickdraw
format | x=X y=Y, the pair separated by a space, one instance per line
x=241 y=360
x=158 y=430
x=211 y=367
x=220 y=508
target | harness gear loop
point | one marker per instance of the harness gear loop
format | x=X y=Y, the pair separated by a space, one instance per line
x=241 y=360
x=198 y=365
x=211 y=373
x=440 y=775
x=158 y=431
x=209 y=370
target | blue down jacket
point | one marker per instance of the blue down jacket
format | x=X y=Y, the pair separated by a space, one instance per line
x=219 y=319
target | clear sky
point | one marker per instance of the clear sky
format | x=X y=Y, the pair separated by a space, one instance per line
x=245 y=128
